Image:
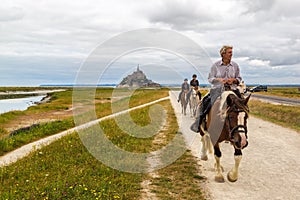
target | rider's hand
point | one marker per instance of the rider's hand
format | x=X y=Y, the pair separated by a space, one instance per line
x=232 y=81
x=221 y=80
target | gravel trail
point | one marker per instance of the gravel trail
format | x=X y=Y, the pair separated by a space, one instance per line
x=270 y=168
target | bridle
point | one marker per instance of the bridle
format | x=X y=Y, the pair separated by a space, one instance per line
x=238 y=128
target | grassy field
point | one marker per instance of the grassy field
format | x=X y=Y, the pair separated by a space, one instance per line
x=62 y=101
x=66 y=170
x=287 y=116
x=289 y=92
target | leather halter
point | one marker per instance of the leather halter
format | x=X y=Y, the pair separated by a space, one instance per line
x=236 y=128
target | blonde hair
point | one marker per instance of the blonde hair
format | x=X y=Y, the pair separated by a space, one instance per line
x=224 y=48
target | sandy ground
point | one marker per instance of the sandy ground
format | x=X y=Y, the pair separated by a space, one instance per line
x=270 y=168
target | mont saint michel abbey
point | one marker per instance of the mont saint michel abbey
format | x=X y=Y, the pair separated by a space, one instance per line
x=137 y=79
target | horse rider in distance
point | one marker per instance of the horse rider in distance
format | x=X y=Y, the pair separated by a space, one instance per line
x=223 y=73
x=184 y=87
x=194 y=83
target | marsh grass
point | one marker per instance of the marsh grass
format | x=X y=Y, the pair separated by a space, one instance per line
x=63 y=101
x=287 y=116
x=21 y=138
x=66 y=170
x=27 y=89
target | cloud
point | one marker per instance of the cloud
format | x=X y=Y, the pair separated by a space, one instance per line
x=256 y=62
x=49 y=37
x=11 y=13
x=181 y=15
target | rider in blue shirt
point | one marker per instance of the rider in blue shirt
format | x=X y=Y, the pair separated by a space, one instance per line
x=184 y=87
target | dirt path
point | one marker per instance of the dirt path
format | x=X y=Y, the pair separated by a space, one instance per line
x=270 y=168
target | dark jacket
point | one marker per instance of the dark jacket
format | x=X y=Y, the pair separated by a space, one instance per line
x=194 y=83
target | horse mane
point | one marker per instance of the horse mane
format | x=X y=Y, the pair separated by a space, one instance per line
x=223 y=104
x=238 y=102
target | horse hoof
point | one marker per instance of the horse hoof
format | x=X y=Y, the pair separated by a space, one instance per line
x=219 y=179
x=204 y=158
x=230 y=178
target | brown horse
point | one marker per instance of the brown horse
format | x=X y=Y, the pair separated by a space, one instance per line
x=227 y=121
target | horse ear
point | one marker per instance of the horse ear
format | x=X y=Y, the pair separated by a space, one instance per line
x=229 y=100
x=247 y=99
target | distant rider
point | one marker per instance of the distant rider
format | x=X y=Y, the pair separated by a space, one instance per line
x=194 y=83
x=184 y=87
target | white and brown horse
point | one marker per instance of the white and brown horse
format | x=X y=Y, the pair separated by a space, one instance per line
x=226 y=121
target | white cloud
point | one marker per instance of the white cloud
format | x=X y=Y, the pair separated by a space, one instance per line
x=11 y=13
x=257 y=62
x=265 y=34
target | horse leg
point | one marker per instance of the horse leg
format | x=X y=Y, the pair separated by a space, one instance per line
x=191 y=108
x=219 y=176
x=232 y=175
x=206 y=146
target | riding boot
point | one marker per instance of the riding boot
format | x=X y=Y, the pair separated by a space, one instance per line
x=204 y=110
x=196 y=125
x=199 y=95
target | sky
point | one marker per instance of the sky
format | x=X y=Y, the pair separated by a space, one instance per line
x=97 y=41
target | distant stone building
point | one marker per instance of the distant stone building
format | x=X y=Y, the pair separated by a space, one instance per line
x=137 y=79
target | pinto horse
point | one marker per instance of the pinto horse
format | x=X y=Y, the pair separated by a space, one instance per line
x=226 y=121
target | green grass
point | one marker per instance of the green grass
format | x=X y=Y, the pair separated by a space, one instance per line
x=21 y=138
x=63 y=101
x=179 y=180
x=27 y=89
x=288 y=92
x=66 y=170
x=287 y=116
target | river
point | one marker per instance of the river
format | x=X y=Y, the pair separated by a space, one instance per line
x=7 y=105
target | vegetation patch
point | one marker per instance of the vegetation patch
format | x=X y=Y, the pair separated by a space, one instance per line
x=287 y=116
x=287 y=92
x=180 y=180
x=62 y=101
x=22 y=137
x=66 y=170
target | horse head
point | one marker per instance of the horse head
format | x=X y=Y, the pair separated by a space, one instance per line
x=236 y=120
